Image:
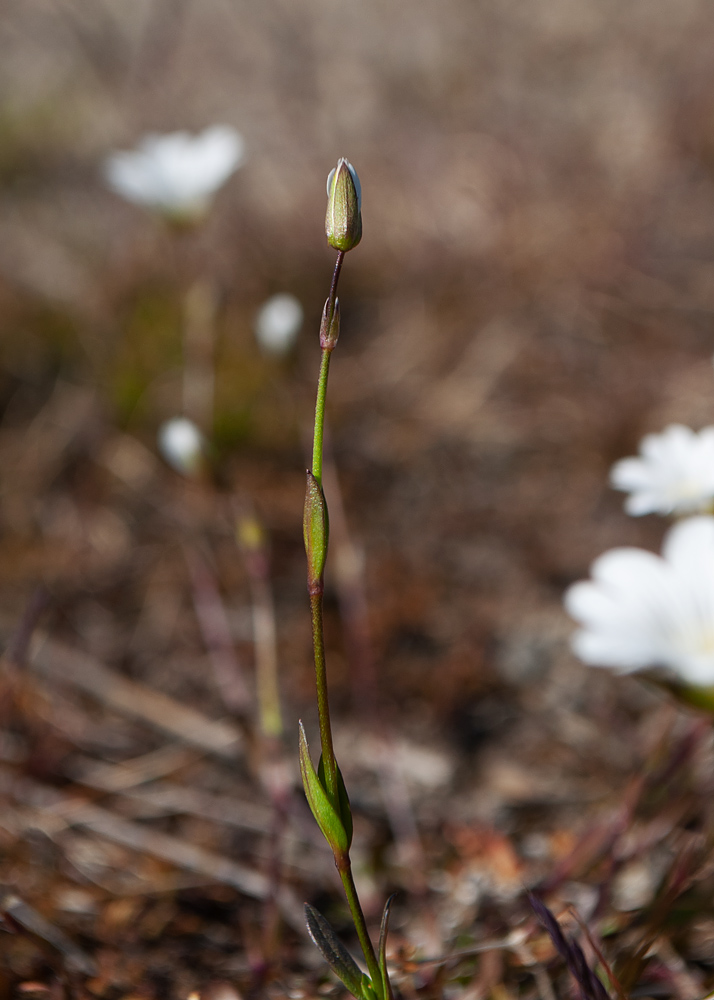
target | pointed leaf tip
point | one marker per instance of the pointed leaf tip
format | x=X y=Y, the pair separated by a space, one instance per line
x=333 y=951
x=384 y=930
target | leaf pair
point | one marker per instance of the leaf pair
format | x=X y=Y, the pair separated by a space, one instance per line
x=342 y=963
x=333 y=815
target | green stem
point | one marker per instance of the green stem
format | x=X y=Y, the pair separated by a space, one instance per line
x=322 y=382
x=360 y=925
x=323 y=708
x=320 y=416
x=328 y=753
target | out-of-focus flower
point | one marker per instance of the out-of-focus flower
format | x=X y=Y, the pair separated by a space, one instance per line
x=642 y=610
x=673 y=475
x=177 y=174
x=183 y=446
x=278 y=322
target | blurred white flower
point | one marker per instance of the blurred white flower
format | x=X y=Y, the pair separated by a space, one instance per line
x=674 y=474
x=178 y=173
x=278 y=322
x=642 y=610
x=182 y=446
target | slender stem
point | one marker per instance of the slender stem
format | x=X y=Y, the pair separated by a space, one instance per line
x=323 y=708
x=328 y=753
x=361 y=925
x=320 y=416
x=322 y=382
x=336 y=276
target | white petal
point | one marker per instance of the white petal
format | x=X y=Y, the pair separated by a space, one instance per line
x=674 y=473
x=690 y=543
x=126 y=173
x=589 y=604
x=630 y=474
x=645 y=502
x=628 y=570
x=177 y=172
x=697 y=670
x=278 y=323
x=600 y=650
x=182 y=445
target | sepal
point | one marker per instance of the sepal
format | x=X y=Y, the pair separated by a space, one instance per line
x=330 y=325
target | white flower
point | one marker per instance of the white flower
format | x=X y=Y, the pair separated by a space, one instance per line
x=178 y=173
x=674 y=475
x=278 y=322
x=182 y=446
x=643 y=610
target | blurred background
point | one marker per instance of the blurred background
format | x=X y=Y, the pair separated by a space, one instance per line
x=533 y=292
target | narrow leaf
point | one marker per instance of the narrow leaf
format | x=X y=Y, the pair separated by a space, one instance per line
x=322 y=809
x=383 y=931
x=590 y=986
x=368 y=991
x=333 y=951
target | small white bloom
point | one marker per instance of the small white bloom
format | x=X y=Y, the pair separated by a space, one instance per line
x=178 y=173
x=278 y=322
x=674 y=474
x=642 y=610
x=182 y=445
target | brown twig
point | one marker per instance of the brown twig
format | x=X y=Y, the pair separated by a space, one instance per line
x=216 y=632
x=65 y=665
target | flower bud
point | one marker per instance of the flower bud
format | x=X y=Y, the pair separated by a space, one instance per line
x=316 y=530
x=343 y=222
x=330 y=325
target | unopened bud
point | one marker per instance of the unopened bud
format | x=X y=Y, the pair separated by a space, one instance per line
x=316 y=530
x=330 y=325
x=343 y=222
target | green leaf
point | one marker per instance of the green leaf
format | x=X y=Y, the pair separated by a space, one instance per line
x=384 y=929
x=368 y=990
x=344 y=810
x=322 y=808
x=334 y=952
